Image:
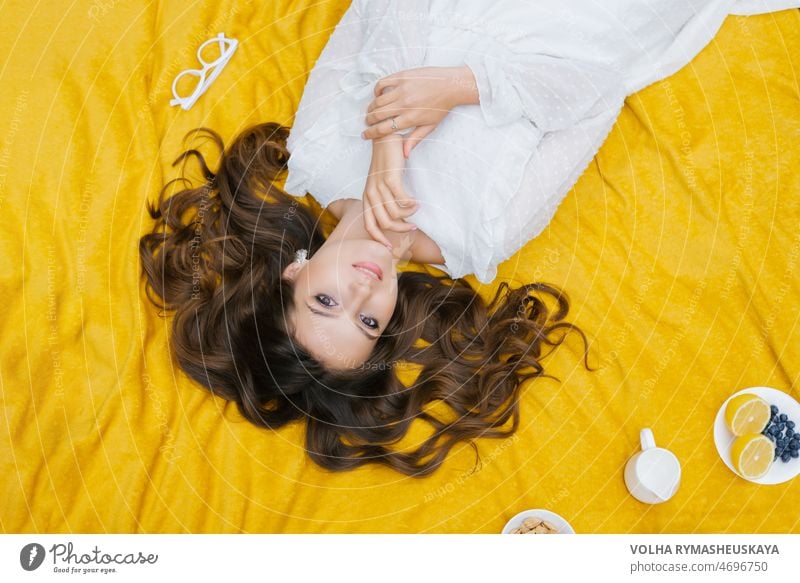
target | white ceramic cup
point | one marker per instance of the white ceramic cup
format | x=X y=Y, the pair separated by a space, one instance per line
x=653 y=474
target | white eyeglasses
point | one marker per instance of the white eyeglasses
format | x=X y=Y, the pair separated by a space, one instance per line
x=226 y=48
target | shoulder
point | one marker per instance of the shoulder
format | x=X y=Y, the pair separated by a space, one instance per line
x=338 y=207
x=425 y=250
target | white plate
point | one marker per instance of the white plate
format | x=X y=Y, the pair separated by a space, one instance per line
x=562 y=526
x=723 y=438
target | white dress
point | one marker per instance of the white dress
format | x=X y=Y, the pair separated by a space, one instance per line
x=552 y=77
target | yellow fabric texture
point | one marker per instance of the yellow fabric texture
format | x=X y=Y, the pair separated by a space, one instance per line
x=678 y=248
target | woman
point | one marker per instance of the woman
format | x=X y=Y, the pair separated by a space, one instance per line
x=291 y=325
x=504 y=103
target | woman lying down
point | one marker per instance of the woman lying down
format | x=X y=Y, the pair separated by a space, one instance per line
x=443 y=132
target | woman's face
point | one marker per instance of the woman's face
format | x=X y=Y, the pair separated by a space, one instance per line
x=341 y=308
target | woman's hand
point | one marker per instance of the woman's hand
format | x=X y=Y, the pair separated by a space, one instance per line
x=386 y=203
x=418 y=98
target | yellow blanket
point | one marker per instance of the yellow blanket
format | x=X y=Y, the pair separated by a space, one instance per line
x=678 y=247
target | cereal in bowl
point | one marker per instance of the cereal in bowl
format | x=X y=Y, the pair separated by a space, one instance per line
x=533 y=525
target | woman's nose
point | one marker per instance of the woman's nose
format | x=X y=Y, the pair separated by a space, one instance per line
x=362 y=286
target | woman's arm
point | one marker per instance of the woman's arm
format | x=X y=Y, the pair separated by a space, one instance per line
x=418 y=98
x=386 y=204
x=413 y=246
x=551 y=92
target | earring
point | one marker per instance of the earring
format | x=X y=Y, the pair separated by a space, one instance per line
x=301 y=256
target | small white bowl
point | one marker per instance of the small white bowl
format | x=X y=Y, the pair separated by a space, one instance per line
x=561 y=525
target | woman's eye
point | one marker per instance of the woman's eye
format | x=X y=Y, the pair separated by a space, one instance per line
x=374 y=326
x=328 y=305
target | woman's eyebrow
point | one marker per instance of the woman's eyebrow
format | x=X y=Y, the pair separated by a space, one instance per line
x=327 y=315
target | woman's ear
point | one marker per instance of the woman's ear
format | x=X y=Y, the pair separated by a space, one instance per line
x=291 y=270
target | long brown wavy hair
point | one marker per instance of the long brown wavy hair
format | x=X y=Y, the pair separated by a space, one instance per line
x=216 y=257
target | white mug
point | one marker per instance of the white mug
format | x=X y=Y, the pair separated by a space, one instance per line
x=653 y=474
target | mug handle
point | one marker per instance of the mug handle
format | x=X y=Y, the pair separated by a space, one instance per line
x=647 y=438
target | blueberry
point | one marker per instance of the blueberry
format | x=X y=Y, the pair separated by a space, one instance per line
x=785 y=457
x=790 y=424
x=781 y=426
x=781 y=442
x=774 y=430
x=774 y=409
x=794 y=453
x=784 y=417
x=789 y=433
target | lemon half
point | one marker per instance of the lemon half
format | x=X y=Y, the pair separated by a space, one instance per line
x=752 y=455
x=747 y=413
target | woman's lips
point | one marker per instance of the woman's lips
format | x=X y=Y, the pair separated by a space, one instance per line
x=370 y=267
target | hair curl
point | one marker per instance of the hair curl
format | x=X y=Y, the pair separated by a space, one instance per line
x=220 y=270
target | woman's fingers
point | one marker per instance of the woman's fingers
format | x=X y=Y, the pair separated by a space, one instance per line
x=382 y=101
x=383 y=113
x=406 y=211
x=384 y=218
x=370 y=222
x=383 y=128
x=385 y=106
x=388 y=224
x=415 y=137
x=407 y=204
x=398 y=205
x=389 y=82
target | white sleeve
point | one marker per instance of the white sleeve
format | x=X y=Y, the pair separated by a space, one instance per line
x=551 y=92
x=550 y=174
x=337 y=57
